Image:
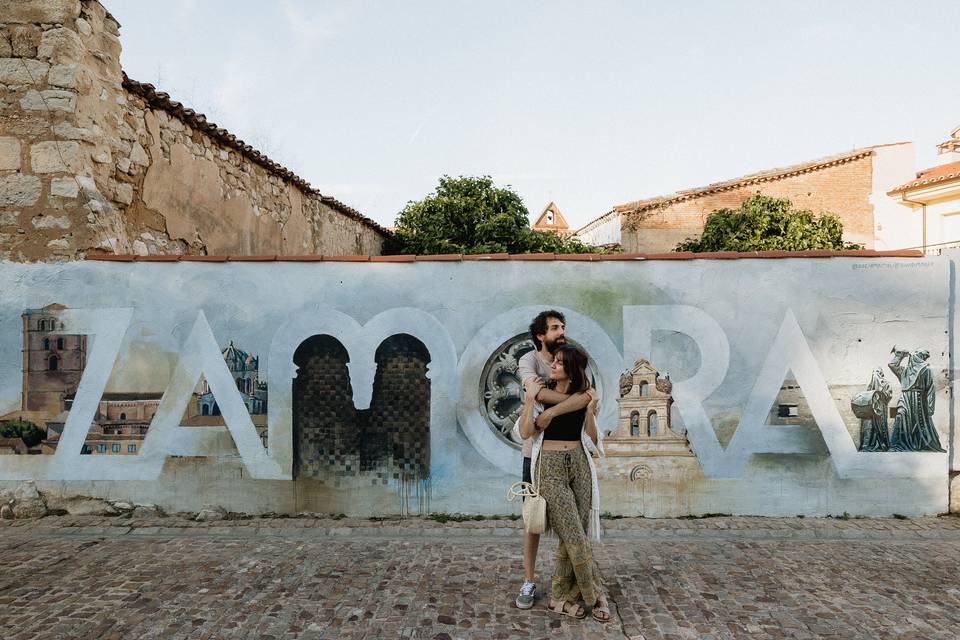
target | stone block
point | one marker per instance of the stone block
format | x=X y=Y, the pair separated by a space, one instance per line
x=54 y=156
x=211 y=513
x=51 y=99
x=37 y=11
x=84 y=27
x=63 y=75
x=139 y=155
x=9 y=154
x=24 y=38
x=22 y=71
x=81 y=506
x=50 y=222
x=29 y=509
x=60 y=46
x=9 y=219
x=64 y=187
x=6 y=50
x=68 y=131
x=26 y=491
x=124 y=193
x=58 y=244
x=18 y=190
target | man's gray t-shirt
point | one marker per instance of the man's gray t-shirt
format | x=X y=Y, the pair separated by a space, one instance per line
x=531 y=365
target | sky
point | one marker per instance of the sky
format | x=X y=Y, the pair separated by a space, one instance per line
x=586 y=104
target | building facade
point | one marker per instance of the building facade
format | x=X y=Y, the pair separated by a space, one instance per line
x=851 y=185
x=931 y=201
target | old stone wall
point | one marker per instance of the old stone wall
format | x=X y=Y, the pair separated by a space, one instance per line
x=843 y=189
x=91 y=162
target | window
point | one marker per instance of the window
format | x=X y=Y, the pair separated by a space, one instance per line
x=85 y=450
x=216 y=409
x=635 y=424
x=42 y=325
x=241 y=385
x=205 y=410
x=787 y=411
x=644 y=389
x=123 y=416
x=101 y=448
x=115 y=447
x=54 y=363
x=60 y=343
x=550 y=217
x=652 y=424
x=46 y=344
x=131 y=448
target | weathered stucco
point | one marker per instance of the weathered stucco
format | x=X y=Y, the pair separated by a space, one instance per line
x=131 y=170
x=737 y=338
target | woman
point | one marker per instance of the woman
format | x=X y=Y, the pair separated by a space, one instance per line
x=564 y=474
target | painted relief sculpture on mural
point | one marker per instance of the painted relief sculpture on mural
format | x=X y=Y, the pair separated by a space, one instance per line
x=644 y=427
x=913 y=428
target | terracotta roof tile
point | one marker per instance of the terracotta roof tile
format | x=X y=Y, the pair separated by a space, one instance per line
x=161 y=100
x=928 y=177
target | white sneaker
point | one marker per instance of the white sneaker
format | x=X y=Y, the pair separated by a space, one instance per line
x=528 y=593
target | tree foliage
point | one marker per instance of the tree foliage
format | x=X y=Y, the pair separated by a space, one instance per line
x=471 y=215
x=27 y=431
x=763 y=223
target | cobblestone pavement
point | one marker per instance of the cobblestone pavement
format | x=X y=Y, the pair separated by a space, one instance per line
x=76 y=577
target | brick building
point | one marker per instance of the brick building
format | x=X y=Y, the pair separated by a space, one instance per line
x=552 y=220
x=852 y=185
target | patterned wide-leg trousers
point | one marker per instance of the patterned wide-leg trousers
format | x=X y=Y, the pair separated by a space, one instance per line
x=565 y=485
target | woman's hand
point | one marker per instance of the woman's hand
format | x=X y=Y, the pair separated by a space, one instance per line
x=532 y=388
x=594 y=405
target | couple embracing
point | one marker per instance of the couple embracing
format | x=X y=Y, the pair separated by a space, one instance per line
x=559 y=431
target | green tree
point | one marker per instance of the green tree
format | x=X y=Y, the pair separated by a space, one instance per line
x=27 y=431
x=763 y=223
x=471 y=215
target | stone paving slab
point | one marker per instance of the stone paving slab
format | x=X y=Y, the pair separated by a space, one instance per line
x=87 y=577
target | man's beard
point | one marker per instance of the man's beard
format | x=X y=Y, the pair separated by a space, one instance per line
x=553 y=345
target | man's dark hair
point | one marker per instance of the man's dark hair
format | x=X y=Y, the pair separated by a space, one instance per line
x=539 y=324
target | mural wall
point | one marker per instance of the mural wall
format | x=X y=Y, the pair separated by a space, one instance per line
x=772 y=387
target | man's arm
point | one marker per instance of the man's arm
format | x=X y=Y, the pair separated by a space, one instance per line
x=567 y=404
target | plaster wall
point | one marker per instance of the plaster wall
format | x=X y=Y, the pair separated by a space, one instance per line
x=728 y=333
x=895 y=226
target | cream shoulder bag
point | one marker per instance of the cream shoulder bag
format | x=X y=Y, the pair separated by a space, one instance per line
x=534 y=505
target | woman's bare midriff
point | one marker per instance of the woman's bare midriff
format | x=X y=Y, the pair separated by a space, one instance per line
x=559 y=445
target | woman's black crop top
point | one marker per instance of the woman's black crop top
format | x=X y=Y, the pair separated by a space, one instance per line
x=566 y=427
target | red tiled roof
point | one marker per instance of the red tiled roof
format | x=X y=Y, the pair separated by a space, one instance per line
x=586 y=257
x=768 y=175
x=198 y=121
x=928 y=177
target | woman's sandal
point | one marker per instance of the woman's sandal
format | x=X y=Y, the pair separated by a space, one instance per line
x=603 y=608
x=567 y=608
